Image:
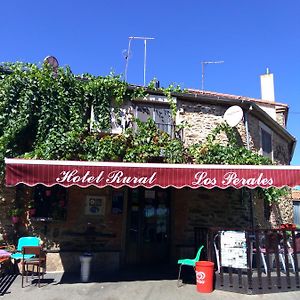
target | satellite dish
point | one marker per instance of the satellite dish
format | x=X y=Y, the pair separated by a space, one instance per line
x=233 y=115
x=52 y=61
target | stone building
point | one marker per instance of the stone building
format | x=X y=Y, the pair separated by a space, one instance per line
x=132 y=226
x=296 y=206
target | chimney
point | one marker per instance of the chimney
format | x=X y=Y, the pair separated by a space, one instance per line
x=267 y=86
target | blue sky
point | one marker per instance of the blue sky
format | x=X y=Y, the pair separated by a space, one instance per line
x=89 y=36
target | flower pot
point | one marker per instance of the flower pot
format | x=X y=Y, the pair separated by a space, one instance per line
x=288 y=226
x=15 y=219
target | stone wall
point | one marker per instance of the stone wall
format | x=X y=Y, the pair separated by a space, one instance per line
x=201 y=119
x=280 y=146
x=205 y=208
x=66 y=239
x=70 y=261
x=72 y=233
x=282 y=212
x=71 y=239
x=7 y=199
x=280 y=116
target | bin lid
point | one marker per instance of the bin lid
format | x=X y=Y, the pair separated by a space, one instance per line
x=204 y=263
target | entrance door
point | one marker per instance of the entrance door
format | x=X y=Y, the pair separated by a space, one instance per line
x=148 y=226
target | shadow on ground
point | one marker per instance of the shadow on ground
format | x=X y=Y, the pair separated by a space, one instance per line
x=35 y=282
x=141 y=273
x=6 y=280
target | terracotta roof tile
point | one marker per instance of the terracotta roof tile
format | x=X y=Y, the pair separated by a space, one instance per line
x=230 y=96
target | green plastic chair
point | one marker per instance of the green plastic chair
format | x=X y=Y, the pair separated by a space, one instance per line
x=188 y=262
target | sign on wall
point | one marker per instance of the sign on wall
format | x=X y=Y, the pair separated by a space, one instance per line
x=95 y=205
x=233 y=249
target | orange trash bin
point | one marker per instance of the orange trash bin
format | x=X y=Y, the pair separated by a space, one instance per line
x=204 y=276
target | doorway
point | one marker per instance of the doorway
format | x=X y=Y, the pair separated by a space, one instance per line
x=148 y=226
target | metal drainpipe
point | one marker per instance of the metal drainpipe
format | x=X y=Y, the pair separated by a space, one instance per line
x=247 y=129
x=251 y=210
x=251 y=192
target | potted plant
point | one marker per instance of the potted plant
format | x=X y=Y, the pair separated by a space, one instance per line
x=15 y=214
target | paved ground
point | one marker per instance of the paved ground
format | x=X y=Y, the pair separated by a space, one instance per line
x=56 y=286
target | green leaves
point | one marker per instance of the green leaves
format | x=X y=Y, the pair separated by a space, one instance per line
x=149 y=143
x=273 y=195
x=52 y=111
x=46 y=115
x=225 y=150
x=230 y=153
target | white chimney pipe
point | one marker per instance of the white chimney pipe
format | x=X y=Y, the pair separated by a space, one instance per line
x=267 y=86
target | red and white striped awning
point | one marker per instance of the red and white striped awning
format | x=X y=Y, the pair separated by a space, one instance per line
x=118 y=174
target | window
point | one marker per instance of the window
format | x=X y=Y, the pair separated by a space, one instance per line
x=296 y=205
x=266 y=141
x=161 y=115
x=50 y=202
x=163 y=119
x=119 y=119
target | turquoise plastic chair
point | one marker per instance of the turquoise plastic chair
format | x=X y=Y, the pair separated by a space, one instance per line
x=188 y=262
x=25 y=241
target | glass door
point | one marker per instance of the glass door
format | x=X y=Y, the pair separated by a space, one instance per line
x=148 y=226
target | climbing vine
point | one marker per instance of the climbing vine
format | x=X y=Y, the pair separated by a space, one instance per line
x=213 y=151
x=46 y=115
x=172 y=88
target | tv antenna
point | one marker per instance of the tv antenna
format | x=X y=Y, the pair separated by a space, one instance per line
x=203 y=63
x=127 y=54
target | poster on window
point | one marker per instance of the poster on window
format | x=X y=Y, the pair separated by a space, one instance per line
x=233 y=249
x=117 y=203
x=149 y=194
x=95 y=205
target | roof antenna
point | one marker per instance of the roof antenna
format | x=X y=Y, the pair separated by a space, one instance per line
x=203 y=63
x=127 y=56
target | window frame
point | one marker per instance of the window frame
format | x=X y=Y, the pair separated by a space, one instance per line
x=296 y=207
x=154 y=108
x=263 y=127
x=58 y=211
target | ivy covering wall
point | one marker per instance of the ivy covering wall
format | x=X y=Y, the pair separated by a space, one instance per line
x=46 y=115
